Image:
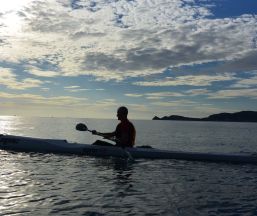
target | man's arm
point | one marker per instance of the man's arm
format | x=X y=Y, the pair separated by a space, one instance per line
x=105 y=135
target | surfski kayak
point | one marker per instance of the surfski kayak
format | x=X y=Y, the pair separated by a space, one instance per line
x=39 y=145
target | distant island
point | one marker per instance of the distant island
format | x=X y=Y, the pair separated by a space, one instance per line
x=243 y=116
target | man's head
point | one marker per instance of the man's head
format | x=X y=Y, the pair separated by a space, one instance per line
x=122 y=113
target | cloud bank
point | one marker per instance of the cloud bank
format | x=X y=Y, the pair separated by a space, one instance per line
x=115 y=40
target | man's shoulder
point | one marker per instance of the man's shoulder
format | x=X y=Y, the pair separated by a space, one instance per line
x=130 y=124
x=125 y=123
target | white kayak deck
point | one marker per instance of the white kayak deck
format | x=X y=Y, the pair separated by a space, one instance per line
x=30 y=144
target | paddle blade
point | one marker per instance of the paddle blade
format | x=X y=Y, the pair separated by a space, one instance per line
x=81 y=127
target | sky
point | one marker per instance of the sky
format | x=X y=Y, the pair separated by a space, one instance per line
x=85 y=58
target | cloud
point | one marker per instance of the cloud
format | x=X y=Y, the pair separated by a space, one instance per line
x=161 y=95
x=39 y=99
x=155 y=95
x=188 y=80
x=176 y=103
x=116 y=40
x=141 y=108
x=79 y=89
x=249 y=82
x=9 y=79
x=106 y=104
x=246 y=83
x=71 y=87
x=133 y=95
x=41 y=73
x=244 y=62
x=197 y=92
x=45 y=89
x=75 y=89
x=234 y=93
x=2 y=41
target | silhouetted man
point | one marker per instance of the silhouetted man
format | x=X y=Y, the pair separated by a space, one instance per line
x=125 y=133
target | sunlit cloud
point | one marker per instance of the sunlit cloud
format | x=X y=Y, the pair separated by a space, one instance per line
x=88 y=39
x=9 y=79
x=161 y=95
x=106 y=104
x=41 y=73
x=190 y=80
x=133 y=95
x=75 y=89
x=197 y=92
x=38 y=99
x=79 y=89
x=234 y=93
x=246 y=83
x=155 y=95
x=71 y=87
x=45 y=89
x=175 y=103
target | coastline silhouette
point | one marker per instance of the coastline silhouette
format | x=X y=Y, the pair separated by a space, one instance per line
x=243 y=116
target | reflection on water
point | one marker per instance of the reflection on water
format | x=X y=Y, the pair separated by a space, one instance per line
x=9 y=124
x=54 y=184
x=122 y=170
x=14 y=184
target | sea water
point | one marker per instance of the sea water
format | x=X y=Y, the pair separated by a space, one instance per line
x=47 y=184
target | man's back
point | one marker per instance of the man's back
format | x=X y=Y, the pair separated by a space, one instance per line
x=126 y=134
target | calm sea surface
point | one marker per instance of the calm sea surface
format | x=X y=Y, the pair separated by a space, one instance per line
x=37 y=184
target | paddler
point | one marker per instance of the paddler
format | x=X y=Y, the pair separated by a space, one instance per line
x=125 y=133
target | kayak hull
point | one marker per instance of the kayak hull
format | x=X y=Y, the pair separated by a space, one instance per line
x=39 y=145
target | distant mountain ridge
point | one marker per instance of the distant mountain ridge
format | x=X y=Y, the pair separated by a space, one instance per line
x=243 y=116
